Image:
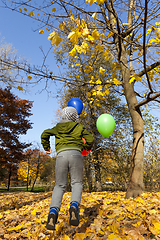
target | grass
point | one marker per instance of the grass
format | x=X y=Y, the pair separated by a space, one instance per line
x=23 y=189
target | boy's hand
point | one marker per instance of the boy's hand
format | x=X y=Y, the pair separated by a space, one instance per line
x=48 y=151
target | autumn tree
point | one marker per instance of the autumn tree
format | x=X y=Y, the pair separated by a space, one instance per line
x=31 y=166
x=14 y=114
x=48 y=172
x=129 y=31
x=151 y=153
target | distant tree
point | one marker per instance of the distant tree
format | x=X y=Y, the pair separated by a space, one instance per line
x=31 y=166
x=48 y=174
x=14 y=113
x=152 y=152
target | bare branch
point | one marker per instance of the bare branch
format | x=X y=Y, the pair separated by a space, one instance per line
x=149 y=99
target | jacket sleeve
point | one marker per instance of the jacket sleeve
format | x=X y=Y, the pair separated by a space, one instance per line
x=45 y=138
x=89 y=140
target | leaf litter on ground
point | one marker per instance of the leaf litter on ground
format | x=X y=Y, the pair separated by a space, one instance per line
x=103 y=215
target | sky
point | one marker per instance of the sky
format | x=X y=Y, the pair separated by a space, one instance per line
x=19 y=31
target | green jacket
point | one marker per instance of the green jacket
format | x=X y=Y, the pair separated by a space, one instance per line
x=68 y=136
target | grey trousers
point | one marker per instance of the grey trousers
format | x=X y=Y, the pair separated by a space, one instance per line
x=68 y=161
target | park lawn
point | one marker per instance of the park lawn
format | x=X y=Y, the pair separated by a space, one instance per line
x=103 y=215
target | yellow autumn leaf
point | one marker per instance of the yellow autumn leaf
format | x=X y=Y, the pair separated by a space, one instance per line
x=17 y=228
x=114 y=236
x=157 y=23
x=116 y=81
x=20 y=10
x=34 y=212
x=30 y=14
x=157 y=227
x=61 y=26
x=66 y=237
x=72 y=52
x=100 y=48
x=90 y=2
x=152 y=40
x=95 y=34
x=125 y=24
x=29 y=77
x=100 y=1
x=54 y=38
x=72 y=17
x=20 y=88
x=107 y=92
x=41 y=31
x=94 y=16
x=53 y=9
x=88 y=94
x=1 y=215
x=25 y=9
x=98 y=81
x=73 y=37
x=110 y=34
x=101 y=70
x=85 y=32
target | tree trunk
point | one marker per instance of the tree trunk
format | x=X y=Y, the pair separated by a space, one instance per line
x=9 y=178
x=135 y=186
x=27 y=178
x=97 y=167
x=37 y=172
x=88 y=174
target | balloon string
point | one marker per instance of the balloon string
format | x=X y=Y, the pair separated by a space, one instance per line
x=98 y=148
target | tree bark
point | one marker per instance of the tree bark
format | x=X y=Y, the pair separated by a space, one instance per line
x=97 y=167
x=136 y=185
x=88 y=174
x=9 y=178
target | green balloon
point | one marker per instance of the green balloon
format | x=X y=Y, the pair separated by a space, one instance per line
x=105 y=125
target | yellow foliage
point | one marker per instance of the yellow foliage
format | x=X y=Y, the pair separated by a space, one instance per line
x=134 y=78
x=110 y=34
x=100 y=1
x=54 y=38
x=88 y=69
x=30 y=14
x=94 y=16
x=73 y=51
x=101 y=70
x=29 y=77
x=90 y=2
x=61 y=26
x=41 y=31
x=73 y=37
x=116 y=81
x=105 y=215
x=95 y=34
x=98 y=82
x=20 y=88
x=100 y=48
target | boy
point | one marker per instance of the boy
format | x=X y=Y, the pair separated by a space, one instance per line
x=69 y=145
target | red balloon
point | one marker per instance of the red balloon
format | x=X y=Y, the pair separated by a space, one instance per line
x=84 y=152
